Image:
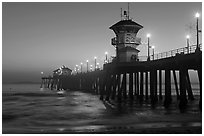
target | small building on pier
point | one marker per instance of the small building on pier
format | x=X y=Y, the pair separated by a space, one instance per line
x=65 y=71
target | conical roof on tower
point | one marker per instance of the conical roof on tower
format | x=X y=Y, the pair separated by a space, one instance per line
x=126 y=23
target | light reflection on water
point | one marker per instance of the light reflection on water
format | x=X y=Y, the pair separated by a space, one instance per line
x=42 y=110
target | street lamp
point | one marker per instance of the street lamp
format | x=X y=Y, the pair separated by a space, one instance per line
x=98 y=65
x=153 y=47
x=95 y=62
x=106 y=53
x=197 y=15
x=91 y=67
x=77 y=69
x=87 y=63
x=81 y=66
x=148 y=36
x=187 y=42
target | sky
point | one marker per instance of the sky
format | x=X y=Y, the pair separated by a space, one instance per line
x=41 y=37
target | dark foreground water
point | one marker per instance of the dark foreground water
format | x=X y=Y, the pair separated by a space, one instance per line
x=29 y=109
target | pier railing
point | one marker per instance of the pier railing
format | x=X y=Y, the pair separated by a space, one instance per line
x=168 y=54
x=172 y=53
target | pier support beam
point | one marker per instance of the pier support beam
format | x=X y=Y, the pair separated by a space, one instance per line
x=188 y=86
x=200 y=83
x=138 y=85
x=152 y=87
x=141 y=86
x=168 y=98
x=176 y=84
x=109 y=82
x=114 y=87
x=131 y=86
x=124 y=86
x=146 y=85
x=160 y=84
x=119 y=93
x=182 y=82
x=135 y=83
x=102 y=86
x=155 y=86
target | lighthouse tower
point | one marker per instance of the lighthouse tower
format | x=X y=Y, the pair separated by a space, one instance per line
x=126 y=40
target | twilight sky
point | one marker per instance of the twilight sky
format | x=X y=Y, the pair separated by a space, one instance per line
x=44 y=36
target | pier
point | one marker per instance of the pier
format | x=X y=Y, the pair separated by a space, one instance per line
x=143 y=75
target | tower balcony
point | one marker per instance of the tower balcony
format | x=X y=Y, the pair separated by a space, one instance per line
x=136 y=40
x=114 y=41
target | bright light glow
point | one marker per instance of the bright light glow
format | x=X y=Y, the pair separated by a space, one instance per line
x=197 y=15
x=41 y=72
x=97 y=64
x=153 y=47
x=76 y=65
x=106 y=52
x=81 y=63
x=91 y=66
x=148 y=35
x=95 y=57
x=87 y=60
x=187 y=36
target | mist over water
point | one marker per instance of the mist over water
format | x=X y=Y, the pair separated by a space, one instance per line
x=28 y=109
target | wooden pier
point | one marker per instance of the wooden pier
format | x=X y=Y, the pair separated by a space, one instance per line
x=144 y=76
x=145 y=79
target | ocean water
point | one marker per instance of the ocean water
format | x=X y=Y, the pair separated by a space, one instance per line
x=27 y=108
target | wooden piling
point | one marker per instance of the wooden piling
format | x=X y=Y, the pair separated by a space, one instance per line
x=146 y=85
x=131 y=86
x=168 y=98
x=108 y=86
x=124 y=86
x=119 y=92
x=141 y=85
x=137 y=85
x=182 y=82
x=176 y=84
x=160 y=84
x=155 y=86
x=114 y=87
x=102 y=86
x=199 y=71
x=188 y=86
x=152 y=87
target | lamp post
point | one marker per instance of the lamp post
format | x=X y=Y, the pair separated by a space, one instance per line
x=148 y=37
x=81 y=66
x=98 y=67
x=187 y=42
x=87 y=63
x=106 y=53
x=153 y=47
x=95 y=62
x=77 y=69
x=197 y=15
x=91 y=67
